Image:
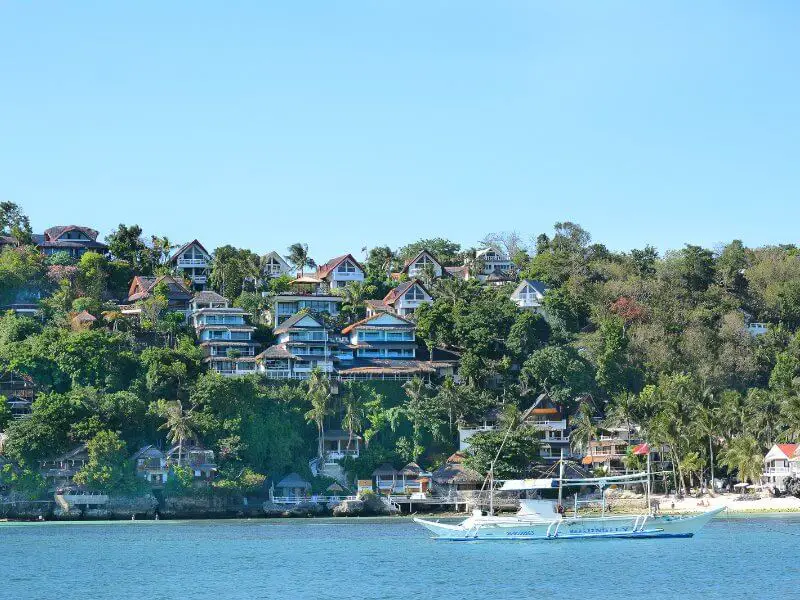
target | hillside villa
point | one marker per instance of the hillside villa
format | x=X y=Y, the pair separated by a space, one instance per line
x=75 y=240
x=224 y=334
x=192 y=262
x=781 y=462
x=402 y=300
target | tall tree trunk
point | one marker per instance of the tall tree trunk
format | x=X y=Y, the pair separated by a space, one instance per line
x=711 y=453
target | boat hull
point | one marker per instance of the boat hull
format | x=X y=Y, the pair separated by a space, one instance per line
x=623 y=526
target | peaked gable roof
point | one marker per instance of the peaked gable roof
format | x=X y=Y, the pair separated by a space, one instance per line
x=185 y=247
x=328 y=267
x=397 y=292
x=295 y=321
x=279 y=258
x=539 y=287
x=787 y=450
x=145 y=450
x=419 y=254
x=372 y=320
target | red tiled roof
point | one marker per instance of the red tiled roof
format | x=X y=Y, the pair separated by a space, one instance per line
x=788 y=449
x=329 y=266
x=401 y=289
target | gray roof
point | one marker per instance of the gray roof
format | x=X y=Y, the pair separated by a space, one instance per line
x=385 y=469
x=339 y=434
x=147 y=450
x=293 y=480
x=293 y=320
x=209 y=296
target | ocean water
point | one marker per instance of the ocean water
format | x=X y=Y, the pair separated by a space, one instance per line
x=734 y=557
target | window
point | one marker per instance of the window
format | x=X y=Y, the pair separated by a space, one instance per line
x=415 y=294
x=346 y=267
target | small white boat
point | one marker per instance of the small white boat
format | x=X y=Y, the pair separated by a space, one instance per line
x=546 y=519
x=539 y=520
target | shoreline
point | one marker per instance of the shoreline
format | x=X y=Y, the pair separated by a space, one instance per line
x=732 y=511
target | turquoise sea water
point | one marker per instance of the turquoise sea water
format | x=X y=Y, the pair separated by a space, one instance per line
x=754 y=557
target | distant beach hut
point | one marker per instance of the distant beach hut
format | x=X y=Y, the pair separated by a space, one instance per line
x=293 y=486
x=453 y=476
x=385 y=478
x=413 y=479
x=335 y=489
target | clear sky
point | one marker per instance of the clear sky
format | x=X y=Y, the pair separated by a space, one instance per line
x=351 y=124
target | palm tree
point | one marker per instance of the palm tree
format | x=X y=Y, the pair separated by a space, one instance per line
x=354 y=295
x=353 y=418
x=179 y=423
x=449 y=400
x=745 y=455
x=707 y=425
x=318 y=394
x=790 y=414
x=692 y=463
x=584 y=429
x=298 y=257
x=416 y=412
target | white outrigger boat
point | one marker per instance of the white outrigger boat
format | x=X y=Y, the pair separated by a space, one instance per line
x=545 y=519
x=538 y=520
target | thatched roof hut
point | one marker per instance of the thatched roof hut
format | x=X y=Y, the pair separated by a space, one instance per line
x=454 y=473
x=385 y=470
x=412 y=469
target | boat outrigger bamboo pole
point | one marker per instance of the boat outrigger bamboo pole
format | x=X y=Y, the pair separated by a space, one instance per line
x=647 y=488
x=560 y=477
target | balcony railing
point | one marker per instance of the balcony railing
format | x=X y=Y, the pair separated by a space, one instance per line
x=777 y=471
x=192 y=262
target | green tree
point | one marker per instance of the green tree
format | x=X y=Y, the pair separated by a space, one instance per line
x=178 y=422
x=353 y=409
x=298 y=257
x=14 y=223
x=584 y=429
x=318 y=395
x=744 y=455
x=559 y=371
x=108 y=468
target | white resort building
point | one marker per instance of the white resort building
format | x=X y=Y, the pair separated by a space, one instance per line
x=340 y=271
x=193 y=262
x=529 y=294
x=303 y=344
x=224 y=334
x=781 y=462
x=402 y=300
x=275 y=265
x=424 y=262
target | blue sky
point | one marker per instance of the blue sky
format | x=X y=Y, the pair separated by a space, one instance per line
x=350 y=124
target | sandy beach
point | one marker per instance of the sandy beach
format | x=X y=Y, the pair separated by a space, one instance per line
x=732 y=501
